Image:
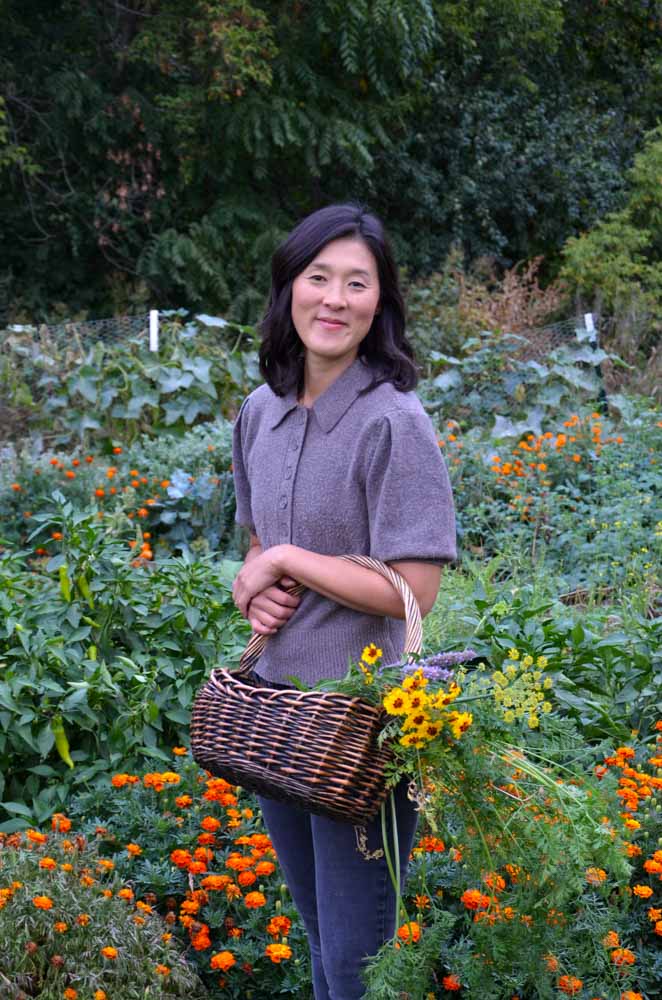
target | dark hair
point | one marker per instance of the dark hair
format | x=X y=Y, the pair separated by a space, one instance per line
x=385 y=346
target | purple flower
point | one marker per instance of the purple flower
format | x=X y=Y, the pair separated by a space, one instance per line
x=438 y=667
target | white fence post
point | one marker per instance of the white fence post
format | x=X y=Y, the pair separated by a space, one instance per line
x=154 y=329
x=590 y=326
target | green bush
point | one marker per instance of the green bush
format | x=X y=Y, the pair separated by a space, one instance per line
x=106 y=646
x=67 y=933
x=80 y=392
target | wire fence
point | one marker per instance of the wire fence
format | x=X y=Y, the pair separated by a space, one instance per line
x=47 y=354
x=72 y=340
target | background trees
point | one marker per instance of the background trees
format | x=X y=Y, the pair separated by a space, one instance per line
x=155 y=150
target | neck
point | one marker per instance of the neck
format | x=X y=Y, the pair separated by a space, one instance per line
x=318 y=375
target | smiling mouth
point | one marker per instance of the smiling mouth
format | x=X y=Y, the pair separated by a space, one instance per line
x=327 y=321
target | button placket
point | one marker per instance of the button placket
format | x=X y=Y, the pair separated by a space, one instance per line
x=292 y=455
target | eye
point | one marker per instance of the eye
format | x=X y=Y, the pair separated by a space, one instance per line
x=357 y=284
x=316 y=277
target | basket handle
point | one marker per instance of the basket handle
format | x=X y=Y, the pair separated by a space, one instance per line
x=414 y=623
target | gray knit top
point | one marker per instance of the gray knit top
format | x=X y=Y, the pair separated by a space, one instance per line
x=360 y=472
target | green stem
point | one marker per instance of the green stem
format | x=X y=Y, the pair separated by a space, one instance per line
x=394 y=871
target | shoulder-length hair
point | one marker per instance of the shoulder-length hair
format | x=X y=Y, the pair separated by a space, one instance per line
x=385 y=347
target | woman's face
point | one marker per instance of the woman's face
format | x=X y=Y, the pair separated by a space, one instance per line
x=334 y=301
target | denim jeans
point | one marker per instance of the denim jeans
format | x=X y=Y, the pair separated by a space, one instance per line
x=347 y=903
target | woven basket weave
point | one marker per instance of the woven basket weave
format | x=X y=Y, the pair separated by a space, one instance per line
x=317 y=750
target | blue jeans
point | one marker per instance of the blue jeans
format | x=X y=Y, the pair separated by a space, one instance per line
x=347 y=903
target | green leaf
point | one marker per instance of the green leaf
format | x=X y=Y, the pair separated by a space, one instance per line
x=18 y=807
x=192 y=616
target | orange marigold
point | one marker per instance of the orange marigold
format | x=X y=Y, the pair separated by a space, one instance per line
x=222 y=960
x=595 y=876
x=279 y=925
x=278 y=952
x=642 y=891
x=451 y=983
x=109 y=952
x=43 y=902
x=570 y=985
x=474 y=899
x=254 y=900
x=410 y=932
x=623 y=956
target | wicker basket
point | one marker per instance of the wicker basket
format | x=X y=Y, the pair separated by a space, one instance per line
x=317 y=750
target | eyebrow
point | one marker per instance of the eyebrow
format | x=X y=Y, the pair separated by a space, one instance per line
x=325 y=267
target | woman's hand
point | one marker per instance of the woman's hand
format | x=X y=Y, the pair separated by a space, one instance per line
x=257 y=595
x=272 y=608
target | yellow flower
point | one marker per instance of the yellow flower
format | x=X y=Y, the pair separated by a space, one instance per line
x=371 y=654
x=418 y=700
x=412 y=740
x=541 y=662
x=533 y=721
x=415 y=681
x=546 y=707
x=396 y=702
x=513 y=654
x=499 y=678
x=511 y=672
x=444 y=698
x=547 y=683
x=430 y=730
x=415 y=720
x=509 y=716
x=527 y=661
x=459 y=722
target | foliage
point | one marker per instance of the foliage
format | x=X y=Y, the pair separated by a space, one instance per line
x=66 y=930
x=201 y=856
x=499 y=372
x=117 y=392
x=618 y=263
x=180 y=509
x=172 y=166
x=101 y=653
x=579 y=499
x=606 y=676
x=563 y=926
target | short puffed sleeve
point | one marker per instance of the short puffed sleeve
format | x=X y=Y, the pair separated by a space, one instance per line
x=410 y=503
x=242 y=486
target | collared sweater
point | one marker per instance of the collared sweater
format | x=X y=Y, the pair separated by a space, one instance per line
x=360 y=472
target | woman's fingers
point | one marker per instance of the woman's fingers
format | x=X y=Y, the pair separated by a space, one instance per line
x=272 y=612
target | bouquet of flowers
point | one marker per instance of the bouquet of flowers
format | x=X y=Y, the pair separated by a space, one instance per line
x=524 y=853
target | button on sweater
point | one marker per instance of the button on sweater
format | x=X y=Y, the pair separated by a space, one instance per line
x=360 y=472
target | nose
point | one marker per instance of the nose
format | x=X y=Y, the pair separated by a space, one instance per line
x=334 y=295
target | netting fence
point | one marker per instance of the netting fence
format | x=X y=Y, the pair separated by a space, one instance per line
x=47 y=354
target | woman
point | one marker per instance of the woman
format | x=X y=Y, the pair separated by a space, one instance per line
x=335 y=455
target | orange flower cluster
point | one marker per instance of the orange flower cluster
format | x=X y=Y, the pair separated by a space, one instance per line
x=570 y=985
x=531 y=455
x=451 y=442
x=429 y=845
x=636 y=790
x=38 y=841
x=410 y=933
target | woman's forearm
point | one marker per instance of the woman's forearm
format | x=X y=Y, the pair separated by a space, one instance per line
x=353 y=585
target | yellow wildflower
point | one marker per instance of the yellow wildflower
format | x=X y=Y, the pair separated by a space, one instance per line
x=397 y=702
x=371 y=654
